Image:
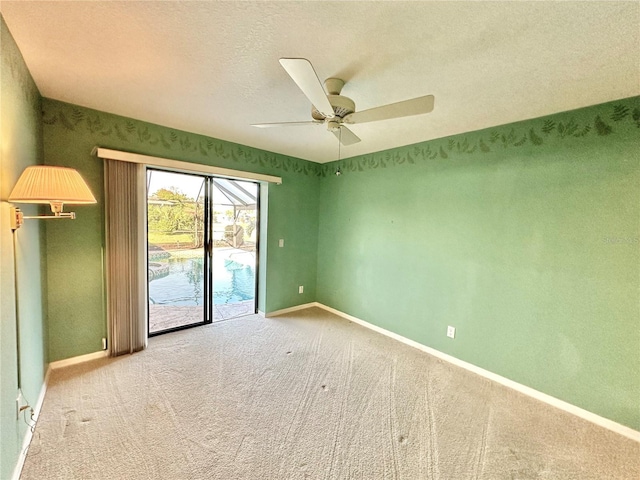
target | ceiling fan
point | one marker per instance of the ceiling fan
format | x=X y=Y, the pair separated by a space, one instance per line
x=335 y=110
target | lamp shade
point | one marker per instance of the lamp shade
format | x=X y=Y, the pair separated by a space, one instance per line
x=51 y=184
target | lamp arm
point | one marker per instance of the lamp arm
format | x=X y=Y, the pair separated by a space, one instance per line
x=71 y=215
x=17 y=217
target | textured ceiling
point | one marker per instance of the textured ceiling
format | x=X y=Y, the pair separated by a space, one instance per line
x=212 y=67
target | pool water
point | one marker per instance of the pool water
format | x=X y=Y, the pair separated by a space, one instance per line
x=183 y=283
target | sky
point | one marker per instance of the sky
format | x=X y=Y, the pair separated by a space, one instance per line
x=188 y=184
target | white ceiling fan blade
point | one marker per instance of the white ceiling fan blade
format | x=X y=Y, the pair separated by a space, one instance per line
x=415 y=106
x=302 y=72
x=346 y=136
x=285 y=124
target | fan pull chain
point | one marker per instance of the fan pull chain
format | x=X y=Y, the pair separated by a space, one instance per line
x=338 y=172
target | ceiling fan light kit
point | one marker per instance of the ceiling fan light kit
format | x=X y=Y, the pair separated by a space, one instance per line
x=330 y=108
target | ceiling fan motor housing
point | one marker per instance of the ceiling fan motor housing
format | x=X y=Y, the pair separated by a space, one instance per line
x=333 y=125
x=342 y=106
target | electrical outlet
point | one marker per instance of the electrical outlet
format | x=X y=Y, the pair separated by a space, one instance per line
x=104 y=343
x=281 y=242
x=300 y=289
x=21 y=404
x=451 y=332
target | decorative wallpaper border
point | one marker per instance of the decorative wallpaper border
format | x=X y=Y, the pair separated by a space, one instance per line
x=500 y=138
x=128 y=133
x=133 y=133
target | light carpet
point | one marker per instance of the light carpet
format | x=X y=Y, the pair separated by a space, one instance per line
x=306 y=395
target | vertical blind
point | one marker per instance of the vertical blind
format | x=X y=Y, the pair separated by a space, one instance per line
x=125 y=257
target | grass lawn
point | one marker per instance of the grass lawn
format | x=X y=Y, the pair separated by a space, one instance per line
x=185 y=238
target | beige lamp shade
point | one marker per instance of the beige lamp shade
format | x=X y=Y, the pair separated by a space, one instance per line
x=51 y=184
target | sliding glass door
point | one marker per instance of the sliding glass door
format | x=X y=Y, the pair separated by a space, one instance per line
x=177 y=212
x=202 y=249
x=235 y=241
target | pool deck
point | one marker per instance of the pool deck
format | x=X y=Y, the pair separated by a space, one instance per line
x=164 y=317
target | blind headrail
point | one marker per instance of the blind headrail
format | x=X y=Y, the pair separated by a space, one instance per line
x=181 y=166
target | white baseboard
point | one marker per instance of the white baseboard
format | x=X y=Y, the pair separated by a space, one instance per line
x=543 y=397
x=292 y=309
x=79 y=359
x=26 y=442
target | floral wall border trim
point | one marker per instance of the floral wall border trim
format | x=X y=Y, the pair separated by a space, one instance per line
x=132 y=133
x=497 y=139
x=537 y=132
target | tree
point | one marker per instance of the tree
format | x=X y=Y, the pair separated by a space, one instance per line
x=171 y=211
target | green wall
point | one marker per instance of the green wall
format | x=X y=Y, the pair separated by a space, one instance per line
x=524 y=237
x=74 y=251
x=20 y=146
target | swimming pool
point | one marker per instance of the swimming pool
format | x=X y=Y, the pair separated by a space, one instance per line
x=182 y=282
